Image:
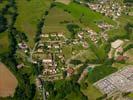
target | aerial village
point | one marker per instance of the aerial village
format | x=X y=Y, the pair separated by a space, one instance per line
x=55 y=52
x=49 y=50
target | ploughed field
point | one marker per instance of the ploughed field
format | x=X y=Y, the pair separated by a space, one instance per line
x=8 y=81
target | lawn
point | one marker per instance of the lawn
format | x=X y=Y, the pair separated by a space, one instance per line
x=55 y=21
x=4 y=42
x=29 y=14
x=88 y=17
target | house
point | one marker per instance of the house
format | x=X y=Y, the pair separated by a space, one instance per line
x=38 y=83
x=40 y=50
x=60 y=35
x=42 y=35
x=47 y=60
x=117 y=43
x=85 y=44
x=20 y=66
x=70 y=71
x=121 y=58
x=22 y=45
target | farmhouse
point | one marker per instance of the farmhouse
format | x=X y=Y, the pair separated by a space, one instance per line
x=70 y=71
x=116 y=44
x=22 y=45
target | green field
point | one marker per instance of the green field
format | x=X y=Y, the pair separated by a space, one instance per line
x=4 y=42
x=120 y=31
x=88 y=17
x=29 y=14
x=54 y=21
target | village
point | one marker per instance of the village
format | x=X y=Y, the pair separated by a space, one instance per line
x=106 y=7
x=84 y=47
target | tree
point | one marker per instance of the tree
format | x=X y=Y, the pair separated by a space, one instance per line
x=129 y=30
x=3 y=23
x=73 y=28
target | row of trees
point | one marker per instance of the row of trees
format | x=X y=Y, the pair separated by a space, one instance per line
x=41 y=23
x=25 y=90
x=61 y=90
x=128 y=1
x=3 y=23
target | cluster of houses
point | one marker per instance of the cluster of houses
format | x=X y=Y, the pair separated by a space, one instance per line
x=49 y=51
x=104 y=26
x=23 y=46
x=116 y=51
x=112 y=10
x=88 y=33
x=93 y=35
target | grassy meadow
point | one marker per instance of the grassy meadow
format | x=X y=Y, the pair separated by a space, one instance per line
x=29 y=14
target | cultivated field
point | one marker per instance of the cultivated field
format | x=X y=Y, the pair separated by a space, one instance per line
x=54 y=19
x=8 y=82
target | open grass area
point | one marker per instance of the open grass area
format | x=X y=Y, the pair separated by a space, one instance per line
x=55 y=21
x=4 y=42
x=87 y=55
x=67 y=51
x=130 y=95
x=87 y=16
x=29 y=14
x=91 y=92
x=120 y=31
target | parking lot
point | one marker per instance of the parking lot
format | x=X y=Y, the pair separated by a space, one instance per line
x=121 y=81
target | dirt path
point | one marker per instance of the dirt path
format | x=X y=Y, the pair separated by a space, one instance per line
x=64 y=1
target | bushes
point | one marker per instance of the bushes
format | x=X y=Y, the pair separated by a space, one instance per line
x=128 y=47
x=73 y=28
x=63 y=89
x=128 y=1
x=100 y=72
x=129 y=30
